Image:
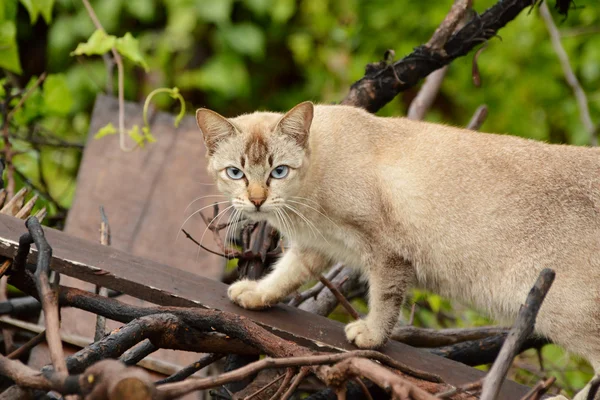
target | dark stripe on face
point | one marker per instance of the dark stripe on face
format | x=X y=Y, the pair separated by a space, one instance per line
x=256 y=150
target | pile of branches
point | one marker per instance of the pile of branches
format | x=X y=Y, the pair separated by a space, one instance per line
x=105 y=369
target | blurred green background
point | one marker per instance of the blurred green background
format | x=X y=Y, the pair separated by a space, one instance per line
x=237 y=56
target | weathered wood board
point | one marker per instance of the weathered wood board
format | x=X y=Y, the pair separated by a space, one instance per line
x=144 y=194
x=165 y=285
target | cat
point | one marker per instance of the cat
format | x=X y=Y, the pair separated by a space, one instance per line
x=471 y=216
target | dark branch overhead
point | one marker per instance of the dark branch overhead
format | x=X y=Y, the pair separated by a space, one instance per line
x=383 y=81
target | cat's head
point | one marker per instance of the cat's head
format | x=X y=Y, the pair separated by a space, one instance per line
x=258 y=160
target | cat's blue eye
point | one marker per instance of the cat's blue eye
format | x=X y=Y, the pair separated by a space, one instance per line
x=280 y=172
x=234 y=173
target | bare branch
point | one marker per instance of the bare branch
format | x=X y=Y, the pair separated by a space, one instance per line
x=520 y=331
x=582 y=101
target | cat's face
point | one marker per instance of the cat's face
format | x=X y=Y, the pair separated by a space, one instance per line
x=258 y=160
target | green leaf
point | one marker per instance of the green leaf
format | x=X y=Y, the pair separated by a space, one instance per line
x=57 y=95
x=9 y=53
x=32 y=9
x=46 y=9
x=129 y=47
x=8 y=10
x=435 y=302
x=245 y=38
x=37 y=7
x=105 y=131
x=217 y=11
x=99 y=43
x=147 y=135
x=283 y=10
x=134 y=133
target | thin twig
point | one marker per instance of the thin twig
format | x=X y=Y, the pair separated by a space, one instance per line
x=48 y=296
x=449 y=24
x=301 y=375
x=34 y=341
x=100 y=330
x=120 y=78
x=343 y=301
x=460 y=389
x=289 y=374
x=191 y=369
x=173 y=390
x=582 y=101
x=539 y=389
x=520 y=331
x=229 y=257
x=478 y=118
x=26 y=95
x=262 y=389
x=424 y=99
x=364 y=388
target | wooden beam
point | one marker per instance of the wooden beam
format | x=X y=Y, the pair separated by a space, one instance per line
x=162 y=285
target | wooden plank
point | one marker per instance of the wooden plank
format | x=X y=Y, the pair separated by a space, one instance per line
x=165 y=285
x=144 y=193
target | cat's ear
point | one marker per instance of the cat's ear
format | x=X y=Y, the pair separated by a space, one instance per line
x=296 y=122
x=214 y=128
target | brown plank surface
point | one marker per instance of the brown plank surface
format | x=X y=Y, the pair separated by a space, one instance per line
x=144 y=194
x=165 y=285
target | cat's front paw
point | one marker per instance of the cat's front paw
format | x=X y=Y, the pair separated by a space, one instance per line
x=245 y=293
x=364 y=335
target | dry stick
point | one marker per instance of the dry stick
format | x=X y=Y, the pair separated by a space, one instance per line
x=424 y=99
x=34 y=341
x=8 y=207
x=227 y=256
x=521 y=330
x=48 y=296
x=8 y=151
x=460 y=389
x=478 y=118
x=340 y=297
x=262 y=389
x=582 y=101
x=173 y=390
x=539 y=389
x=449 y=24
x=295 y=383
x=428 y=337
x=26 y=209
x=316 y=288
x=289 y=374
x=100 y=330
x=364 y=388
x=382 y=377
x=191 y=369
x=120 y=75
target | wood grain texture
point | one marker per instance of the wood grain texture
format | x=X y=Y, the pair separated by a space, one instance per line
x=165 y=285
x=144 y=193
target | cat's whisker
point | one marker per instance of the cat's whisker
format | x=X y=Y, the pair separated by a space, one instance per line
x=308 y=222
x=314 y=209
x=232 y=226
x=210 y=224
x=290 y=222
x=194 y=213
x=200 y=198
x=311 y=200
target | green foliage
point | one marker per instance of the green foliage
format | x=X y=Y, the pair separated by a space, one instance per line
x=237 y=56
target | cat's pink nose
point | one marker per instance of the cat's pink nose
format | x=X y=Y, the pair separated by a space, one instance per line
x=257 y=201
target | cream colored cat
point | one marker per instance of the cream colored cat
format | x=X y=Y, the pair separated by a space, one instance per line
x=469 y=215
